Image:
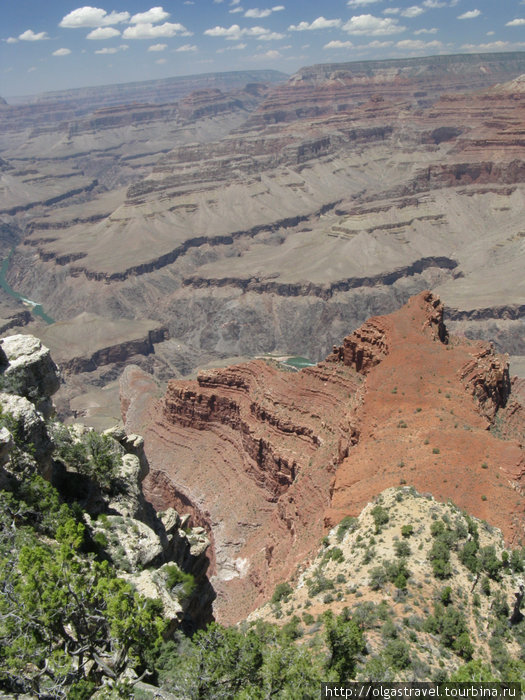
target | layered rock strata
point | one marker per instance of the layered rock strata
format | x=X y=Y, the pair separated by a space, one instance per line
x=265 y=458
x=262 y=220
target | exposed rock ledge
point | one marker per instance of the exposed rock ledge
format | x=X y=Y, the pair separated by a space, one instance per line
x=88 y=341
x=267 y=458
x=323 y=291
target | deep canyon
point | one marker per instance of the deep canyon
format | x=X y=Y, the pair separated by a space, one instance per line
x=187 y=222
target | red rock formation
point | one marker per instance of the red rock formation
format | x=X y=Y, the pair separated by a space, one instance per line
x=254 y=450
x=425 y=420
x=265 y=457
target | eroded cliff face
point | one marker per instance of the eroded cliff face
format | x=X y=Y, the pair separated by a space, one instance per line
x=253 y=449
x=265 y=458
x=279 y=219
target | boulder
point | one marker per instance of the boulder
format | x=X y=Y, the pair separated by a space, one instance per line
x=6 y=444
x=30 y=371
x=130 y=501
x=130 y=543
x=29 y=430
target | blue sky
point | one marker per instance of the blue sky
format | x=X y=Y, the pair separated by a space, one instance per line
x=60 y=44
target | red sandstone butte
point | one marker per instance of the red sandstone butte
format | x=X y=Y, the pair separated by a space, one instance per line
x=266 y=459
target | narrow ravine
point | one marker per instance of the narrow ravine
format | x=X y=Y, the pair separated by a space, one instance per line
x=36 y=307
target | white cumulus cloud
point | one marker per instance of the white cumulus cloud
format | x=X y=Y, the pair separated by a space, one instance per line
x=157 y=47
x=434 y=4
x=146 y=30
x=319 y=23
x=187 y=48
x=12 y=40
x=338 y=45
x=92 y=17
x=259 y=14
x=372 y=26
x=237 y=47
x=471 y=14
x=518 y=22
x=433 y=30
x=418 y=45
x=378 y=44
x=413 y=11
x=271 y=36
x=491 y=46
x=360 y=3
x=112 y=50
x=152 y=16
x=103 y=33
x=234 y=33
x=236 y=10
x=29 y=35
x=62 y=52
x=272 y=54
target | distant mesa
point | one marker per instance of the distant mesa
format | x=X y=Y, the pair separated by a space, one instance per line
x=157 y=91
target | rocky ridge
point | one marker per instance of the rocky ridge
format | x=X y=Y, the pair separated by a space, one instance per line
x=122 y=525
x=267 y=459
x=378 y=569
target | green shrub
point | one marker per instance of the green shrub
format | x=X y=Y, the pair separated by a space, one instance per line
x=319 y=583
x=380 y=516
x=369 y=555
x=308 y=618
x=347 y=524
x=402 y=548
x=378 y=578
x=345 y=642
x=364 y=614
x=100 y=540
x=178 y=581
x=397 y=573
x=95 y=455
x=446 y=595
x=389 y=630
x=500 y=606
x=489 y=562
x=439 y=556
x=468 y=555
x=407 y=530
x=516 y=560
x=333 y=554
x=397 y=654
x=281 y=592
